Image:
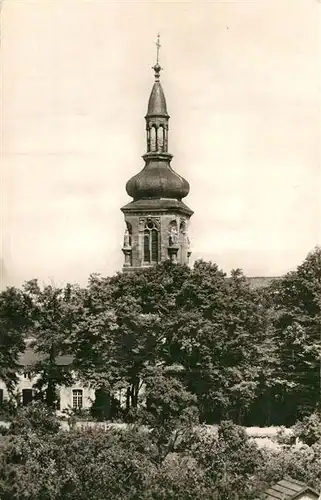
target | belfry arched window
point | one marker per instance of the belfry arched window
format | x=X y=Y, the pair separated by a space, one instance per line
x=183 y=232
x=160 y=138
x=151 y=243
x=182 y=227
x=152 y=138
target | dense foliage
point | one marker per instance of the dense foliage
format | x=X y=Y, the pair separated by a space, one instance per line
x=211 y=330
x=296 y=303
x=175 y=460
x=13 y=325
x=248 y=355
x=185 y=347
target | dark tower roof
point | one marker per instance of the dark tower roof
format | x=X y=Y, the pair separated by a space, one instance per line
x=157 y=180
x=157 y=102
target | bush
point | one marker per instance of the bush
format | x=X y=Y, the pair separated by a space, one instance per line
x=230 y=460
x=36 y=418
x=8 y=409
x=309 y=429
x=124 y=464
x=285 y=437
x=302 y=464
x=170 y=460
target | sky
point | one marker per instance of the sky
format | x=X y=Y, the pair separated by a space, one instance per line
x=242 y=83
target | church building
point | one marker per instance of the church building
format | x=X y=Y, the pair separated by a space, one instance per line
x=157 y=219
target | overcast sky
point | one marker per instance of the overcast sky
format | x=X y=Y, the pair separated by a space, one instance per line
x=242 y=83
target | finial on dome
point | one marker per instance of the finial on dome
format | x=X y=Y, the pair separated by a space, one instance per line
x=157 y=68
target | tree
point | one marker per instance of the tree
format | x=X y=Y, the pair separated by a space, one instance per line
x=122 y=321
x=211 y=326
x=296 y=302
x=170 y=415
x=13 y=326
x=52 y=314
x=219 y=335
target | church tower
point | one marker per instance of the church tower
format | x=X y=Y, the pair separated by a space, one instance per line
x=157 y=219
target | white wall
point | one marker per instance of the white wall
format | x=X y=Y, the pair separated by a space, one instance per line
x=65 y=392
x=66 y=396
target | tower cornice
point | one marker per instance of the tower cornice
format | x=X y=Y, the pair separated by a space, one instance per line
x=157 y=206
x=157 y=156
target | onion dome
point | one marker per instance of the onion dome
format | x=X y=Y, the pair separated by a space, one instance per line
x=157 y=179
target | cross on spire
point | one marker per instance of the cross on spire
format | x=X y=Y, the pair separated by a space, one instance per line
x=158 y=46
x=157 y=67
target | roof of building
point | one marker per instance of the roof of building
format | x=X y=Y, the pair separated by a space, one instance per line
x=261 y=281
x=30 y=357
x=157 y=102
x=288 y=489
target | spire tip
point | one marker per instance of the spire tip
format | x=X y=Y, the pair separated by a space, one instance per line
x=158 y=46
x=157 y=68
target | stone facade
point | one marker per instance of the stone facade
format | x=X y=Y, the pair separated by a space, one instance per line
x=171 y=241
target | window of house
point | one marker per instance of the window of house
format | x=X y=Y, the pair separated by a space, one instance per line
x=1 y=396
x=26 y=396
x=77 y=399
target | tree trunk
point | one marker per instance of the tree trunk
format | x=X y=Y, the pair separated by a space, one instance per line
x=128 y=394
x=268 y=416
x=239 y=415
x=51 y=394
x=134 y=393
x=51 y=388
